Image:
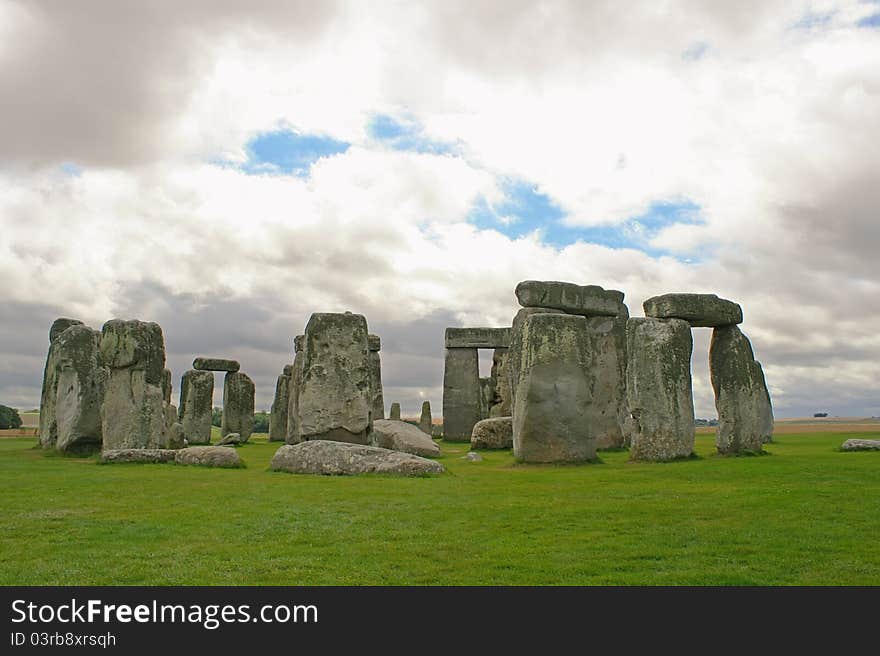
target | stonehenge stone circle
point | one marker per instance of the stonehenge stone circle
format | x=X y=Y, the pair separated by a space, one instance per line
x=196 y=405
x=395 y=411
x=658 y=388
x=588 y=300
x=334 y=396
x=550 y=420
x=426 y=424
x=133 y=413
x=495 y=433
x=343 y=458
x=461 y=394
x=699 y=310
x=745 y=418
x=215 y=364
x=238 y=405
x=278 y=412
x=293 y=436
x=401 y=436
x=377 y=403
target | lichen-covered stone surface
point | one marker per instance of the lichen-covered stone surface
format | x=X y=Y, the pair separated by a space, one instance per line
x=374 y=343
x=461 y=394
x=196 y=404
x=395 y=411
x=345 y=459
x=477 y=337
x=426 y=423
x=293 y=436
x=166 y=385
x=280 y=407
x=745 y=417
x=205 y=456
x=514 y=352
x=401 y=436
x=487 y=396
x=585 y=300
x=500 y=406
x=699 y=310
x=495 y=433
x=550 y=415
x=334 y=399
x=238 y=405
x=60 y=325
x=377 y=396
x=215 y=364
x=860 y=445
x=658 y=387
x=606 y=364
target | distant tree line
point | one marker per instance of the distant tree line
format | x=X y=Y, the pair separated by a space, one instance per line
x=9 y=417
x=261 y=420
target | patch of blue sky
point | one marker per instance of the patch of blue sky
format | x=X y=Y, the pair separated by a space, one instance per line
x=696 y=51
x=872 y=21
x=405 y=134
x=813 y=20
x=286 y=151
x=71 y=169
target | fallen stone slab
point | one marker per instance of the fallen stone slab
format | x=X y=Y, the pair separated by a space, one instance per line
x=230 y=439
x=401 y=436
x=585 y=300
x=215 y=364
x=495 y=433
x=860 y=445
x=138 y=455
x=477 y=337
x=208 y=456
x=699 y=310
x=344 y=459
x=472 y=457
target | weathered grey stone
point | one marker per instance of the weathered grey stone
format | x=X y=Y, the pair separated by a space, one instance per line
x=238 y=405
x=280 y=406
x=166 y=385
x=231 y=439
x=549 y=415
x=495 y=433
x=500 y=406
x=477 y=337
x=658 y=387
x=110 y=456
x=606 y=364
x=426 y=423
x=703 y=310
x=401 y=436
x=741 y=396
x=854 y=444
x=343 y=458
x=461 y=394
x=334 y=394
x=298 y=343
x=374 y=343
x=585 y=300
x=514 y=352
x=288 y=370
x=209 y=456
x=293 y=435
x=133 y=411
x=395 y=411
x=216 y=364
x=60 y=325
x=176 y=438
x=74 y=414
x=377 y=397
x=472 y=457
x=196 y=405
x=487 y=395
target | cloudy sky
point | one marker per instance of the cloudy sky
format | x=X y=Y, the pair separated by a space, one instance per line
x=227 y=168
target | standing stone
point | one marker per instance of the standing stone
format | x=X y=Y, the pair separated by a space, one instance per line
x=49 y=392
x=133 y=413
x=293 y=436
x=741 y=396
x=658 y=388
x=280 y=405
x=426 y=425
x=500 y=406
x=196 y=405
x=699 y=310
x=238 y=405
x=166 y=385
x=550 y=423
x=334 y=395
x=395 y=411
x=461 y=394
x=514 y=352
x=377 y=403
x=487 y=396
x=79 y=390
x=606 y=342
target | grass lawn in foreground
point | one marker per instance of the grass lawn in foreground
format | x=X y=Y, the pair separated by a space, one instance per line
x=805 y=514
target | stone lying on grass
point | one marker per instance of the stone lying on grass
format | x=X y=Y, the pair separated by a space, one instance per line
x=472 y=457
x=231 y=439
x=401 y=436
x=495 y=433
x=860 y=445
x=207 y=456
x=343 y=458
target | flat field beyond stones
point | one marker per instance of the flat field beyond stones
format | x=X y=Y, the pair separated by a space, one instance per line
x=806 y=514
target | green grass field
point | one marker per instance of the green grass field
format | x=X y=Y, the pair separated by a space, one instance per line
x=806 y=514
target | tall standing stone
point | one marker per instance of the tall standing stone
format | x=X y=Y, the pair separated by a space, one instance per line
x=238 y=405
x=745 y=417
x=196 y=405
x=550 y=422
x=514 y=352
x=461 y=394
x=500 y=406
x=377 y=403
x=487 y=396
x=335 y=395
x=280 y=406
x=166 y=386
x=606 y=341
x=426 y=424
x=133 y=411
x=49 y=392
x=395 y=411
x=293 y=435
x=658 y=387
